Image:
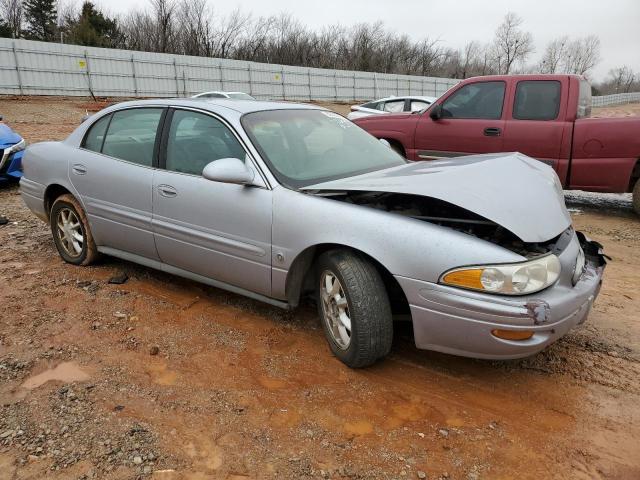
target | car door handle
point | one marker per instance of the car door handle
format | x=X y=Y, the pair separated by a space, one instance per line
x=167 y=191
x=492 y=132
x=79 y=169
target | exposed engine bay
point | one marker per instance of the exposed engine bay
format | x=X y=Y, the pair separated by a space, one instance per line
x=446 y=214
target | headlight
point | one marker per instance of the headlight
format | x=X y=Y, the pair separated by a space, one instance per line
x=511 y=279
x=21 y=145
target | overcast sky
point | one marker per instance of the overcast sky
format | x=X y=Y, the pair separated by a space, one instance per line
x=455 y=22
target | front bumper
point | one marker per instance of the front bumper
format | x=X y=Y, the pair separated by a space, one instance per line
x=456 y=321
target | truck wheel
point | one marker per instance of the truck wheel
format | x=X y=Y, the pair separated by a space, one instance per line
x=354 y=308
x=71 y=232
x=636 y=197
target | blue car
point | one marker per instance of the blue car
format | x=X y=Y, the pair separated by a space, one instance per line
x=11 y=149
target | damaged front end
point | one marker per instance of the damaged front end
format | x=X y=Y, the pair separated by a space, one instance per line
x=440 y=212
x=487 y=308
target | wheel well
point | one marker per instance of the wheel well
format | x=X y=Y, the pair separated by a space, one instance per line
x=395 y=144
x=635 y=175
x=302 y=274
x=51 y=193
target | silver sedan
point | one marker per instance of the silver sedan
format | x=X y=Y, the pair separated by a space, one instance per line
x=276 y=201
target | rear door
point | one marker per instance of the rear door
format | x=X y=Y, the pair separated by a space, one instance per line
x=536 y=124
x=113 y=173
x=218 y=230
x=472 y=122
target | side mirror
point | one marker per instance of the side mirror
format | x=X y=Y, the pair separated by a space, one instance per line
x=436 y=112
x=228 y=170
x=385 y=142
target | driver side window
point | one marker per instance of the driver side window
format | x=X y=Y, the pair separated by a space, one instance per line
x=476 y=100
x=196 y=139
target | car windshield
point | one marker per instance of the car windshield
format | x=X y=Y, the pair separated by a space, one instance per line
x=240 y=96
x=304 y=147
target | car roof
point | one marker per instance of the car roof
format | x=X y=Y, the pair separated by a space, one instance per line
x=240 y=106
x=218 y=92
x=404 y=97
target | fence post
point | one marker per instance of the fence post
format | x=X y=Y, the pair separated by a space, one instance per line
x=309 y=75
x=175 y=74
x=184 y=83
x=88 y=70
x=133 y=76
x=354 y=86
x=221 y=75
x=335 y=83
x=284 y=93
x=375 y=85
x=15 y=59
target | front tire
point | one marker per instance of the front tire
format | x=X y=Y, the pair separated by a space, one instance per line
x=71 y=232
x=354 y=308
x=636 y=197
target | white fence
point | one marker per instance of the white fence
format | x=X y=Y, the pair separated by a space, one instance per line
x=616 y=99
x=40 y=68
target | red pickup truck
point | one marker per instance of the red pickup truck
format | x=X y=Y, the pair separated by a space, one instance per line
x=543 y=116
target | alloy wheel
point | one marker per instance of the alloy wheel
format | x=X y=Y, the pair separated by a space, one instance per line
x=70 y=232
x=335 y=309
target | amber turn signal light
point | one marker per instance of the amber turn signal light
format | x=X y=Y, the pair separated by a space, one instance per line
x=465 y=278
x=512 y=334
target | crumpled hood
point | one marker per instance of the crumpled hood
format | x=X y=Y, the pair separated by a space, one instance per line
x=7 y=136
x=517 y=192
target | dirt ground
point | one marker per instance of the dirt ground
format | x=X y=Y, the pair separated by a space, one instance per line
x=164 y=378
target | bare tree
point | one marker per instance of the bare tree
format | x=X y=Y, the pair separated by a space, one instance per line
x=554 y=55
x=621 y=79
x=163 y=11
x=11 y=12
x=227 y=35
x=581 y=55
x=511 y=44
x=254 y=45
x=194 y=32
x=139 y=29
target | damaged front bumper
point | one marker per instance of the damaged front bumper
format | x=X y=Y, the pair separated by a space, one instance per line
x=460 y=322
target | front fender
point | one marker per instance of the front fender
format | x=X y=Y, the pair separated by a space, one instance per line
x=404 y=246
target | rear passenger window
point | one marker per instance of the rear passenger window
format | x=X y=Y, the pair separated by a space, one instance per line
x=95 y=136
x=417 y=105
x=537 y=100
x=394 y=106
x=132 y=134
x=196 y=139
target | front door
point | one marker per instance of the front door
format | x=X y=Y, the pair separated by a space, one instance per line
x=472 y=122
x=113 y=173
x=218 y=230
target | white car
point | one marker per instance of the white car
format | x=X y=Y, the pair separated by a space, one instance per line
x=391 y=105
x=233 y=95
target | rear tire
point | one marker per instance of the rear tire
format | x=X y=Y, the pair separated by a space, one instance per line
x=71 y=232
x=354 y=308
x=636 y=197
